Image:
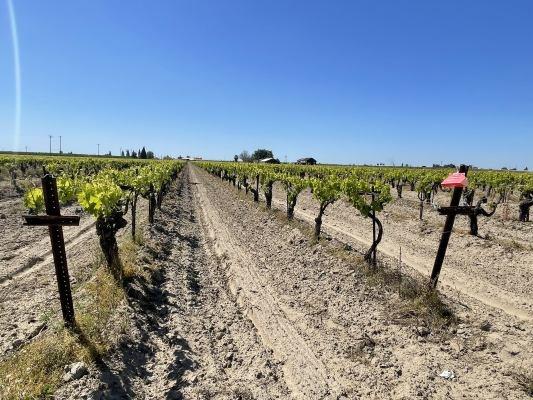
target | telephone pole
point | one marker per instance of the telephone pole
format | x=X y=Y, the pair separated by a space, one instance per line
x=60 y=152
x=50 y=137
x=98 y=148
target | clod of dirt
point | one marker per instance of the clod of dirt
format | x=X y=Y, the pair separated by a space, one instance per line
x=485 y=326
x=75 y=371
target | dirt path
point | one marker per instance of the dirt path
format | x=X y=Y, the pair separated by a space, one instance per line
x=306 y=375
x=189 y=338
x=418 y=253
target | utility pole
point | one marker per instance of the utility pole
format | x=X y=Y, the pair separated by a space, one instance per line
x=26 y=149
x=98 y=148
x=50 y=136
x=60 y=152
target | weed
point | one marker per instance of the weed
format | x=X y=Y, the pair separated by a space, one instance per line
x=525 y=380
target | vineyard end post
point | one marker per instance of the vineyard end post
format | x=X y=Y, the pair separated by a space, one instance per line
x=446 y=232
x=55 y=222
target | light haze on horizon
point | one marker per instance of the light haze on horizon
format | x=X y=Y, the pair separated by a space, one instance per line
x=345 y=82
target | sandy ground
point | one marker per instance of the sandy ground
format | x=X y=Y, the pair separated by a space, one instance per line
x=247 y=306
x=497 y=271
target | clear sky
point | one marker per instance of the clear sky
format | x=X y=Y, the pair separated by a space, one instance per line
x=343 y=81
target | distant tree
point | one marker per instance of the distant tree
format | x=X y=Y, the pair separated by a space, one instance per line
x=127 y=153
x=261 y=154
x=245 y=156
x=235 y=158
x=150 y=154
x=526 y=169
x=109 y=153
x=122 y=153
x=133 y=154
x=142 y=153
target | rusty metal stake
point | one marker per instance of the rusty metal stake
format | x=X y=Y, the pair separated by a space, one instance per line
x=446 y=233
x=374 y=255
x=55 y=222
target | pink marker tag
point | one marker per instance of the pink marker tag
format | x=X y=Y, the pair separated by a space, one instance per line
x=455 y=180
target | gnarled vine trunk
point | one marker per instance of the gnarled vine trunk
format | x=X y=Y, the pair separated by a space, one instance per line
x=106 y=229
x=368 y=255
x=523 y=208
x=151 y=207
x=477 y=212
x=134 y=214
x=318 y=219
x=399 y=190
x=268 y=196
x=256 y=191
x=290 y=208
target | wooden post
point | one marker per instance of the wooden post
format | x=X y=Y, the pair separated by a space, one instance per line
x=55 y=222
x=447 y=232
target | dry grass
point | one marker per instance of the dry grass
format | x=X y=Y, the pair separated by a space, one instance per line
x=511 y=244
x=412 y=302
x=525 y=380
x=37 y=369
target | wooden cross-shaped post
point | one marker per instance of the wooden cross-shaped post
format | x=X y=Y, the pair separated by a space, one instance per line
x=55 y=222
x=450 y=212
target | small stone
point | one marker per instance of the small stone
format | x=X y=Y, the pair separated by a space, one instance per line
x=448 y=375
x=259 y=375
x=75 y=372
x=422 y=331
x=2 y=216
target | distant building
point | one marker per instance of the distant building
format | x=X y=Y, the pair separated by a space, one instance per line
x=306 y=161
x=189 y=158
x=269 y=161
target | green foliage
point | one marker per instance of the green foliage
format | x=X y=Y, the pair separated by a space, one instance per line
x=293 y=185
x=34 y=200
x=327 y=190
x=67 y=189
x=101 y=198
x=358 y=193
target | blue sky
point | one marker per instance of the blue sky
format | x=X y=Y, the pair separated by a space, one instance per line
x=344 y=81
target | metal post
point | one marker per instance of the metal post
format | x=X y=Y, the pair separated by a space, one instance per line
x=60 y=151
x=50 y=137
x=447 y=232
x=256 y=194
x=58 y=250
x=373 y=229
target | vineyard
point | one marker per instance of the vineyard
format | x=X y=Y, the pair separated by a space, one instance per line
x=245 y=280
